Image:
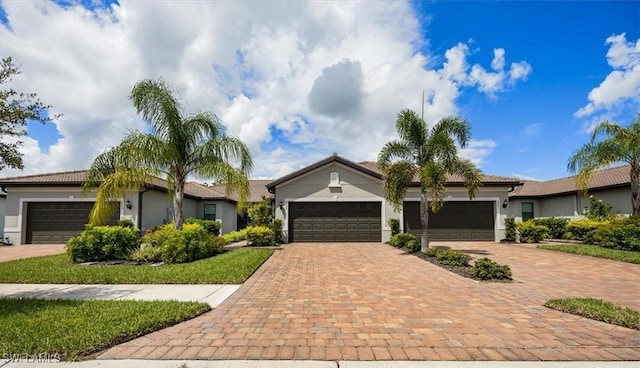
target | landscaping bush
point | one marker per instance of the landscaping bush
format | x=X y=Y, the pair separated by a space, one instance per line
x=619 y=235
x=413 y=245
x=510 y=231
x=212 y=226
x=146 y=253
x=487 y=269
x=126 y=223
x=453 y=258
x=402 y=239
x=598 y=210
x=557 y=226
x=394 y=224
x=260 y=236
x=235 y=236
x=578 y=229
x=276 y=227
x=432 y=252
x=103 y=243
x=157 y=236
x=261 y=213
x=532 y=233
x=191 y=243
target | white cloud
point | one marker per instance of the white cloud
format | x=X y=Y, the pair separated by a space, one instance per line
x=530 y=131
x=525 y=177
x=622 y=84
x=261 y=66
x=478 y=150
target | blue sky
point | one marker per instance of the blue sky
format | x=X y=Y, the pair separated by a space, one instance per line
x=298 y=81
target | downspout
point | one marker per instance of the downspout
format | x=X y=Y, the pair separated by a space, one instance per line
x=140 y=207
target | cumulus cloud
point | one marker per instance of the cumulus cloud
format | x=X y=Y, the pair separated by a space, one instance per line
x=622 y=84
x=478 y=150
x=326 y=76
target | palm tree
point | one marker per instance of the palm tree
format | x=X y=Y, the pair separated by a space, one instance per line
x=430 y=155
x=618 y=144
x=176 y=146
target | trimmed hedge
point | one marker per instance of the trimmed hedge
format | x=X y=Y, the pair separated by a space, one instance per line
x=260 y=236
x=191 y=243
x=394 y=225
x=103 y=243
x=401 y=240
x=557 y=226
x=579 y=229
x=453 y=258
x=510 y=229
x=235 y=236
x=532 y=233
x=212 y=226
x=487 y=269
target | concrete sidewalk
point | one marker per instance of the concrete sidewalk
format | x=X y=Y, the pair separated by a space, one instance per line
x=211 y=294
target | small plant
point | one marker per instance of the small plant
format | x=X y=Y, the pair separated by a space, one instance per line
x=260 y=236
x=127 y=223
x=487 y=269
x=413 y=245
x=276 y=227
x=402 y=239
x=598 y=209
x=453 y=258
x=432 y=252
x=394 y=225
x=146 y=254
x=212 y=226
x=510 y=231
x=532 y=233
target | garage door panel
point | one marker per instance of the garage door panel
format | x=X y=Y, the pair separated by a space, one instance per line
x=335 y=221
x=456 y=221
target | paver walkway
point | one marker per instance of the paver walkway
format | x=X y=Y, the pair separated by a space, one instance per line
x=11 y=252
x=374 y=302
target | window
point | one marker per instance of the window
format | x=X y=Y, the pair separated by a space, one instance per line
x=209 y=211
x=334 y=179
x=527 y=211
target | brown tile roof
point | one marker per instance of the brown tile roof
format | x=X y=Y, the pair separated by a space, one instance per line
x=256 y=186
x=617 y=176
x=77 y=178
x=456 y=179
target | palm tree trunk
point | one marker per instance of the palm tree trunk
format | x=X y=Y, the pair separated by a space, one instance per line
x=635 y=189
x=424 y=222
x=178 y=201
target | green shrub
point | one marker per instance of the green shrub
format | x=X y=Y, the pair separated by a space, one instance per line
x=486 y=269
x=103 y=243
x=619 y=235
x=579 y=229
x=402 y=239
x=394 y=224
x=453 y=258
x=276 y=226
x=235 y=236
x=191 y=243
x=557 y=226
x=126 y=223
x=510 y=231
x=432 y=252
x=212 y=226
x=146 y=254
x=260 y=236
x=598 y=210
x=532 y=233
x=157 y=236
x=413 y=245
x=261 y=213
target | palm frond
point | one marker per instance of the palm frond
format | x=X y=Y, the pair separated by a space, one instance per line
x=394 y=150
x=454 y=126
x=113 y=188
x=470 y=173
x=398 y=177
x=433 y=178
x=159 y=108
x=411 y=129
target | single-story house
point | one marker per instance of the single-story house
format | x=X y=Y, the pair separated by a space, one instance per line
x=561 y=197
x=336 y=199
x=51 y=208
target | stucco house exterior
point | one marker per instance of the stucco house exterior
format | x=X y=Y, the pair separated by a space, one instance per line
x=561 y=197
x=336 y=199
x=50 y=208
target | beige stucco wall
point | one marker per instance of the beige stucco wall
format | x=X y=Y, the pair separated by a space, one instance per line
x=226 y=213
x=314 y=186
x=620 y=199
x=18 y=197
x=514 y=209
x=3 y=203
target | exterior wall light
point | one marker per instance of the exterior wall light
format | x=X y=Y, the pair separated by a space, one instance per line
x=127 y=204
x=505 y=203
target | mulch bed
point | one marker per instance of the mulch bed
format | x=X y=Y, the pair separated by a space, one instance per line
x=460 y=270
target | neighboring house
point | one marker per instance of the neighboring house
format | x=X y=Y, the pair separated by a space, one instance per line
x=561 y=197
x=336 y=199
x=50 y=208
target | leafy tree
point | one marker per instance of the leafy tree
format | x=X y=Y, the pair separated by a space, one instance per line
x=610 y=143
x=16 y=109
x=261 y=213
x=177 y=146
x=429 y=155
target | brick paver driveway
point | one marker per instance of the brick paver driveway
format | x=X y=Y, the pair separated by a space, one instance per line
x=9 y=253
x=374 y=302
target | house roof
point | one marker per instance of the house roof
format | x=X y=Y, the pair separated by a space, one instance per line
x=73 y=178
x=257 y=187
x=607 y=178
x=371 y=168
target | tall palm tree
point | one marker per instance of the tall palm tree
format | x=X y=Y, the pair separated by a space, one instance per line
x=618 y=144
x=430 y=155
x=176 y=146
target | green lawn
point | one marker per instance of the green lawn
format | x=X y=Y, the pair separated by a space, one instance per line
x=71 y=329
x=595 y=251
x=597 y=309
x=232 y=267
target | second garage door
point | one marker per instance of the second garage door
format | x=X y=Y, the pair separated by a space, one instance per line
x=335 y=222
x=457 y=220
x=56 y=222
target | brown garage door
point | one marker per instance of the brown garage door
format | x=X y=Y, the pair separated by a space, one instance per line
x=457 y=220
x=56 y=222
x=335 y=222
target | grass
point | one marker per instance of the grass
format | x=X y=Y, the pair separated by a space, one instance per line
x=597 y=309
x=232 y=267
x=71 y=329
x=595 y=251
